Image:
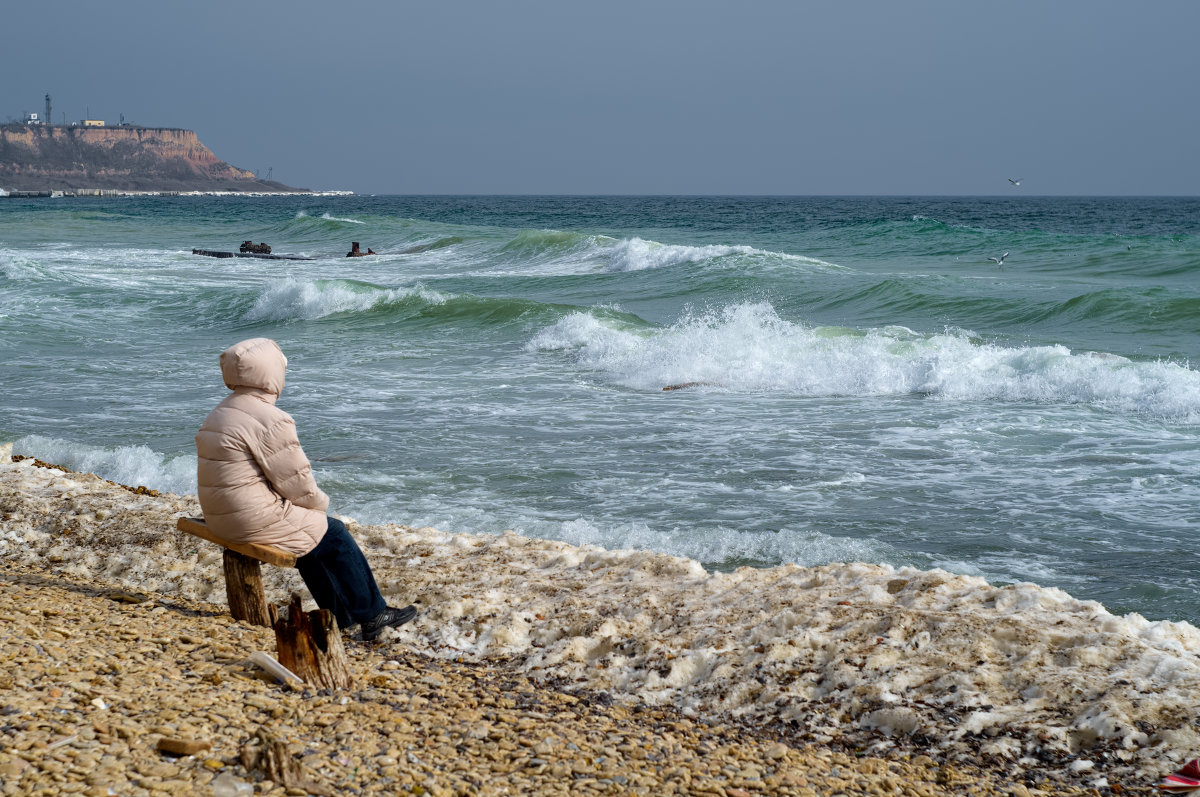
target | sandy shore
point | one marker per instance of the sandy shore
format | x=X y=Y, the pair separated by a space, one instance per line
x=540 y=668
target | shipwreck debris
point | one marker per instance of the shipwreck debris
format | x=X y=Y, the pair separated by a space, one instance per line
x=213 y=253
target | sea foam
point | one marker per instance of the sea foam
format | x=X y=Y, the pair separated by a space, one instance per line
x=16 y=265
x=798 y=546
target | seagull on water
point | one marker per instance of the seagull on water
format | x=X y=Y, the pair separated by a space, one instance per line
x=1016 y=181
x=999 y=261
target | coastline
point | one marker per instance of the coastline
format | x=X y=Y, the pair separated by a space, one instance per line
x=42 y=159
x=106 y=192
x=89 y=716
x=916 y=675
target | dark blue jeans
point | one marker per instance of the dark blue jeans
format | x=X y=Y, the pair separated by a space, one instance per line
x=339 y=578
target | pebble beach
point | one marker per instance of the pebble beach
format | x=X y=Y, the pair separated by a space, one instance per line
x=537 y=667
x=96 y=678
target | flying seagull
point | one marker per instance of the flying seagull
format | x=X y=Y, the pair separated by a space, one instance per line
x=1016 y=181
x=999 y=261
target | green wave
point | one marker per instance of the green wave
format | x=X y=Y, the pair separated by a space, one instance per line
x=354 y=303
x=1147 y=309
x=485 y=311
x=1144 y=310
x=538 y=244
x=1084 y=254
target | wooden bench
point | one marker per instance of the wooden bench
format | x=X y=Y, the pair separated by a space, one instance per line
x=308 y=642
x=243 y=574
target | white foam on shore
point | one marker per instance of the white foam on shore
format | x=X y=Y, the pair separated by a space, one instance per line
x=1024 y=675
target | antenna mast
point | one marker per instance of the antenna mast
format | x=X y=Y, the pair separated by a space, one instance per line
x=49 y=118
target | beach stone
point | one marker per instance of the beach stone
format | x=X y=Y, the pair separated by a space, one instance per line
x=182 y=747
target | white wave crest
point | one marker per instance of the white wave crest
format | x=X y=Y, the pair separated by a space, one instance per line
x=638 y=254
x=328 y=217
x=308 y=300
x=749 y=347
x=303 y=214
x=133 y=466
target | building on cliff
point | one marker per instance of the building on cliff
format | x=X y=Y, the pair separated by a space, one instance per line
x=90 y=158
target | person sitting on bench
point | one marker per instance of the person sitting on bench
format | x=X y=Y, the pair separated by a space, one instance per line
x=256 y=485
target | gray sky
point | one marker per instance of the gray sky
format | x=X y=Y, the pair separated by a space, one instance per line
x=619 y=97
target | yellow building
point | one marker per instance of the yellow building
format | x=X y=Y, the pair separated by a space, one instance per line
x=93 y=123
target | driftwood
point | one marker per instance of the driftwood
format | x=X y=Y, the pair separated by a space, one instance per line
x=269 y=754
x=310 y=646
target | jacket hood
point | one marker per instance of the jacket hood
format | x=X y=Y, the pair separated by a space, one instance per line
x=255 y=363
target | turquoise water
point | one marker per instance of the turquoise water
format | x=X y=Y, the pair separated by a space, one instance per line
x=871 y=386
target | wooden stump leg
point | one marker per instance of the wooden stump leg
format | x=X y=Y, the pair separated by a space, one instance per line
x=310 y=646
x=244 y=589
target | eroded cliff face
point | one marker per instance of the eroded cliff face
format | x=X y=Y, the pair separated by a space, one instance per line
x=35 y=158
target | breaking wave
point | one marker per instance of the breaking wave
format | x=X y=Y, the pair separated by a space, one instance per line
x=307 y=300
x=129 y=465
x=296 y=300
x=748 y=347
x=637 y=254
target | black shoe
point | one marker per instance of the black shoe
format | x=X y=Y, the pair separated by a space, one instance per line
x=388 y=618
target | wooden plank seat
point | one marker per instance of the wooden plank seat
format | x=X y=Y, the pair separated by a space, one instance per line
x=308 y=642
x=243 y=573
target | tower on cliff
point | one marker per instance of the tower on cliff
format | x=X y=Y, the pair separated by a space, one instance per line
x=49 y=119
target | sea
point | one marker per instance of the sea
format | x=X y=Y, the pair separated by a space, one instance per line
x=743 y=381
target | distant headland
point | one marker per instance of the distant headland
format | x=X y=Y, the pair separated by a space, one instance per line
x=38 y=159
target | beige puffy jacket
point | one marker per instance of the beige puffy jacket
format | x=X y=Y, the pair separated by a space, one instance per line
x=255 y=484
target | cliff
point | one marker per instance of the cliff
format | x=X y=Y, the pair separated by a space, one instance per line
x=37 y=158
